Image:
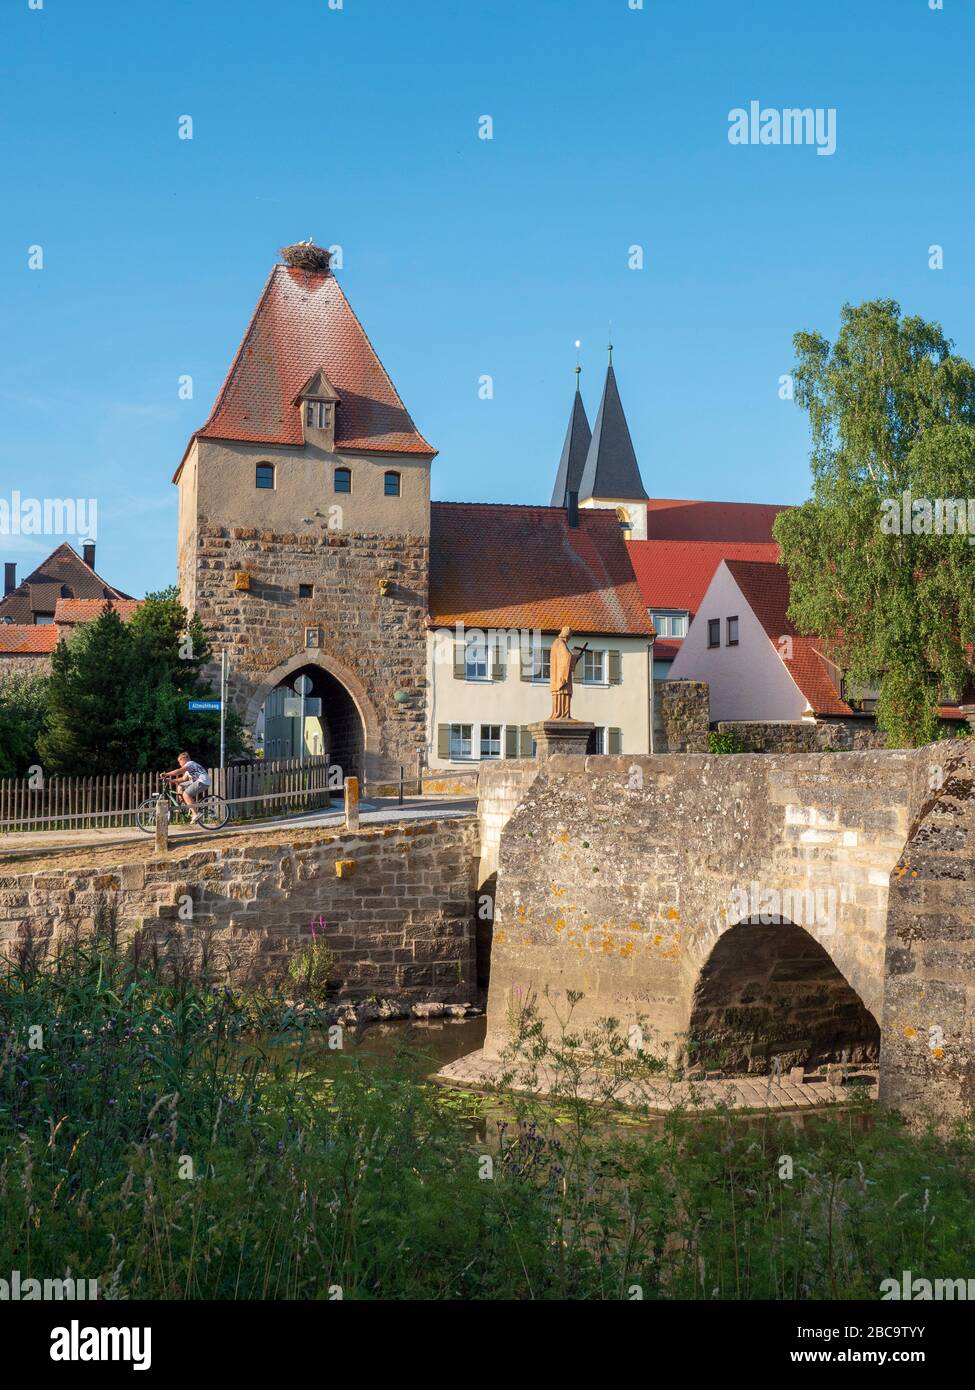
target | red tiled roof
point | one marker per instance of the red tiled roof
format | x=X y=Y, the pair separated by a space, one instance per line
x=676 y=574
x=302 y=325
x=28 y=639
x=498 y=566
x=63 y=573
x=766 y=590
x=674 y=519
x=82 y=610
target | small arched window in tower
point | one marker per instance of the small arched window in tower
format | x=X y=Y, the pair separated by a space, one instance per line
x=264 y=476
x=391 y=483
x=623 y=517
x=343 y=480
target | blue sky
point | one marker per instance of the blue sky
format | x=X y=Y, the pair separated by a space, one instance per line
x=463 y=257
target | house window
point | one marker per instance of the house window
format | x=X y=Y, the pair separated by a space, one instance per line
x=714 y=632
x=594 y=668
x=460 y=740
x=317 y=414
x=264 y=476
x=343 y=480
x=670 y=624
x=541 y=663
x=597 y=740
x=476 y=659
x=306 y=591
x=732 y=632
x=490 y=740
x=391 y=484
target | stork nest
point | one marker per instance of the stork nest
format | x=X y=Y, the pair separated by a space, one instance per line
x=304 y=256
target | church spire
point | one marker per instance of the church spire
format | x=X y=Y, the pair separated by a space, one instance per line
x=573 y=459
x=611 y=471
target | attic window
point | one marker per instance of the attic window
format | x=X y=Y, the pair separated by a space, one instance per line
x=318 y=414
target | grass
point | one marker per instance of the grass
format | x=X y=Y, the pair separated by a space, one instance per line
x=155 y=1136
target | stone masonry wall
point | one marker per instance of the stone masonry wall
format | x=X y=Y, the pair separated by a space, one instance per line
x=769 y=736
x=24 y=665
x=927 y=1059
x=379 y=638
x=400 y=921
x=682 y=713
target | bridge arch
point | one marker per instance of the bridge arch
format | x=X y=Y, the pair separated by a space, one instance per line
x=769 y=993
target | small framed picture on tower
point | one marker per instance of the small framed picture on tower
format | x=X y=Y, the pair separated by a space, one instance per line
x=313 y=636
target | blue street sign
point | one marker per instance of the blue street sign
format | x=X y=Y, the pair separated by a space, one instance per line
x=204 y=704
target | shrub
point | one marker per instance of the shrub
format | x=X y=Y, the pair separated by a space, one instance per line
x=725 y=743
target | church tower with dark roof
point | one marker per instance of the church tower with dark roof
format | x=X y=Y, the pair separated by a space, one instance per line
x=574 y=450
x=304 y=532
x=611 y=475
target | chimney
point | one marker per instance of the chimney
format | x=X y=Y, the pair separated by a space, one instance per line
x=88 y=554
x=9 y=577
x=572 y=508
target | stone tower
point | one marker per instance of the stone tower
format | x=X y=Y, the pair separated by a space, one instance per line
x=304 y=530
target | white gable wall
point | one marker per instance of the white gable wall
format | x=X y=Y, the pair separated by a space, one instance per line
x=748 y=681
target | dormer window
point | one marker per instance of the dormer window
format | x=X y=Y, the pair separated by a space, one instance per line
x=318 y=402
x=318 y=414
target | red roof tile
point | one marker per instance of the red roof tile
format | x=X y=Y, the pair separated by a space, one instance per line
x=63 y=573
x=673 y=519
x=497 y=566
x=303 y=324
x=28 y=639
x=82 y=610
x=766 y=589
x=676 y=574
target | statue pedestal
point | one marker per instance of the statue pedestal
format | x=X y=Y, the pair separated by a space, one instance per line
x=560 y=736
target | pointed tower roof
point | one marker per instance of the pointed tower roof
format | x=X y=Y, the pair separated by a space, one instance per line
x=574 y=451
x=303 y=325
x=611 y=469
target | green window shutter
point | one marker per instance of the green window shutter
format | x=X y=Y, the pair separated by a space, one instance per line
x=615 y=741
x=459 y=663
x=443 y=740
x=527 y=658
x=525 y=741
x=615 y=667
x=511 y=740
x=499 y=663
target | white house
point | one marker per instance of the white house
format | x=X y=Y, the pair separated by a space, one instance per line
x=755 y=662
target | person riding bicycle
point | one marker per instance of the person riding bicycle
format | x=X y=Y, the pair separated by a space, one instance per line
x=191 y=781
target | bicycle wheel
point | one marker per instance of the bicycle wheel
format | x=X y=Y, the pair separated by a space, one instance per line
x=145 y=816
x=213 y=812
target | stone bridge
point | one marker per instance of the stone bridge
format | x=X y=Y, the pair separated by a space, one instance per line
x=747 y=908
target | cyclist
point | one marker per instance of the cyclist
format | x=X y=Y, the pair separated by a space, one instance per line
x=191 y=781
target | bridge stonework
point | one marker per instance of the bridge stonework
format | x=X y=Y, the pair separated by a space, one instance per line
x=840 y=888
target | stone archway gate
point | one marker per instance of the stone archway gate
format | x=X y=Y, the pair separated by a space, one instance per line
x=617 y=876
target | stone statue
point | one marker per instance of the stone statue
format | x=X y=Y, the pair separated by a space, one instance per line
x=560 y=680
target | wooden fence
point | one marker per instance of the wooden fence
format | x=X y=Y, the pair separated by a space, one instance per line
x=87 y=803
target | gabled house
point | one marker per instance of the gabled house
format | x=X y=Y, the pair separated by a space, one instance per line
x=757 y=665
x=64 y=574
x=503 y=581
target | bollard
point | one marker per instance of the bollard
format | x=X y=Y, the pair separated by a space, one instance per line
x=162 y=825
x=352 y=803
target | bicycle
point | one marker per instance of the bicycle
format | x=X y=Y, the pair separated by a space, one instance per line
x=212 y=810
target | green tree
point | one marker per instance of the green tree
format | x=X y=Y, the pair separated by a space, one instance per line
x=120 y=694
x=892 y=413
x=88 y=693
x=23 y=709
